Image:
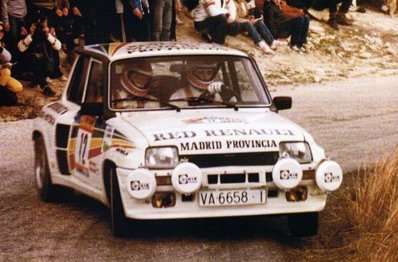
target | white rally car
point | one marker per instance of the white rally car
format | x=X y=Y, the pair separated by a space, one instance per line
x=175 y=131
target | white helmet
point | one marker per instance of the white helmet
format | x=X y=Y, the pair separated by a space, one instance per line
x=135 y=78
x=202 y=74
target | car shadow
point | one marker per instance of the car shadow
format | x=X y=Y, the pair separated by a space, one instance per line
x=232 y=228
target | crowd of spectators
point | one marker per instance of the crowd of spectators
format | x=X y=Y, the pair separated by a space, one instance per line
x=33 y=32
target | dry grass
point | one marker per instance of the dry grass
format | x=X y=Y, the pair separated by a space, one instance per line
x=373 y=210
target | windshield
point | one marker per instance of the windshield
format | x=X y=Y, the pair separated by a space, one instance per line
x=184 y=81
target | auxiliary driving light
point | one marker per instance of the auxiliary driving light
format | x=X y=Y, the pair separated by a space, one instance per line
x=329 y=176
x=163 y=199
x=141 y=183
x=297 y=194
x=287 y=173
x=186 y=178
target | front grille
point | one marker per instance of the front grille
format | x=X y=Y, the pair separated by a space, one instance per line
x=233 y=178
x=240 y=159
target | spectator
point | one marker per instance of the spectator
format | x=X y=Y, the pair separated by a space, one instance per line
x=64 y=24
x=8 y=85
x=162 y=13
x=210 y=20
x=296 y=26
x=41 y=48
x=247 y=11
x=136 y=20
x=97 y=17
x=335 y=19
x=13 y=13
x=78 y=7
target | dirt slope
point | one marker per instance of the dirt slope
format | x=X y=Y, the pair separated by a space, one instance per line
x=369 y=47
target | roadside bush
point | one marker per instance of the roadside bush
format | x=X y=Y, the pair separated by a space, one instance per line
x=373 y=210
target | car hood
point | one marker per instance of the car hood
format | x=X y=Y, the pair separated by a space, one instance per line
x=215 y=131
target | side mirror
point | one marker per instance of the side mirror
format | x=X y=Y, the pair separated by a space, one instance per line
x=282 y=102
x=92 y=109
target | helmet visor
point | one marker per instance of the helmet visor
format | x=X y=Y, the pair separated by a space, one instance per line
x=205 y=74
x=140 y=80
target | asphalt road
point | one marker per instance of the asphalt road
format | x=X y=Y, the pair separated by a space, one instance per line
x=356 y=122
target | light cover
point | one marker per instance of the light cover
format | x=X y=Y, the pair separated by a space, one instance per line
x=299 y=151
x=161 y=157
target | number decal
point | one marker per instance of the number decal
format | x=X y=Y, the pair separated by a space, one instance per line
x=83 y=147
x=83 y=141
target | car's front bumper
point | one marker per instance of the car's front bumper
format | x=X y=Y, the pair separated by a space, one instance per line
x=276 y=200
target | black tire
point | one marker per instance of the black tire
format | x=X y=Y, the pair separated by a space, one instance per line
x=44 y=186
x=303 y=224
x=119 y=222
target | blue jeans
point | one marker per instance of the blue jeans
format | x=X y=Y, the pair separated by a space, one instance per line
x=297 y=28
x=161 y=15
x=241 y=27
x=263 y=30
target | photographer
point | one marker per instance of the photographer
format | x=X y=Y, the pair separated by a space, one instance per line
x=41 y=48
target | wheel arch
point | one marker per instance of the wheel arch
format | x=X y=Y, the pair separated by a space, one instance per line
x=107 y=166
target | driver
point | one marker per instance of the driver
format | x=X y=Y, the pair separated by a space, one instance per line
x=135 y=80
x=198 y=78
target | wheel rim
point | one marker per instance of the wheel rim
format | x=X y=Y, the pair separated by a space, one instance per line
x=39 y=167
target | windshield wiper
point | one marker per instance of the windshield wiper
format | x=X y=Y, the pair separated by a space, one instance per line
x=201 y=100
x=145 y=99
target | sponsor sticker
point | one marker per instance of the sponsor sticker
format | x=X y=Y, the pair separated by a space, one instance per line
x=107 y=141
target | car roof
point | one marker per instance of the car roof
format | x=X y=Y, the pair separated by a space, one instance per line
x=116 y=51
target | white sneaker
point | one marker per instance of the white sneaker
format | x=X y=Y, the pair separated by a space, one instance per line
x=277 y=43
x=303 y=49
x=265 y=48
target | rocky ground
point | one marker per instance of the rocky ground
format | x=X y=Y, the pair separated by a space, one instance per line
x=369 y=47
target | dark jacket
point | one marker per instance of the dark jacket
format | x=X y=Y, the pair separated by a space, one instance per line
x=273 y=17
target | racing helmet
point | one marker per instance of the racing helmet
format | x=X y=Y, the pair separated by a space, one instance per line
x=135 y=78
x=202 y=73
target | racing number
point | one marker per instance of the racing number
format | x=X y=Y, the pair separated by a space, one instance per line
x=83 y=147
x=83 y=141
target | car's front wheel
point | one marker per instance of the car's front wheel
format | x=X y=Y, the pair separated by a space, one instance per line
x=119 y=222
x=44 y=185
x=303 y=224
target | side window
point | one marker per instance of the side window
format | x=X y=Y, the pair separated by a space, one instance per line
x=95 y=85
x=76 y=85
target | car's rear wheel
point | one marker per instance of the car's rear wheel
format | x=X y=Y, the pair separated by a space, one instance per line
x=303 y=224
x=119 y=222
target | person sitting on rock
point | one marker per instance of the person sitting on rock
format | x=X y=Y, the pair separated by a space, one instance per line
x=247 y=11
x=283 y=25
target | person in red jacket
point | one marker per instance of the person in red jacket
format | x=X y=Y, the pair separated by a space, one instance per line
x=284 y=25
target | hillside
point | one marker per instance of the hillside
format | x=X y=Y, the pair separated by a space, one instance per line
x=369 y=47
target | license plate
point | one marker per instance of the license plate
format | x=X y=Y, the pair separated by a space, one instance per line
x=232 y=197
